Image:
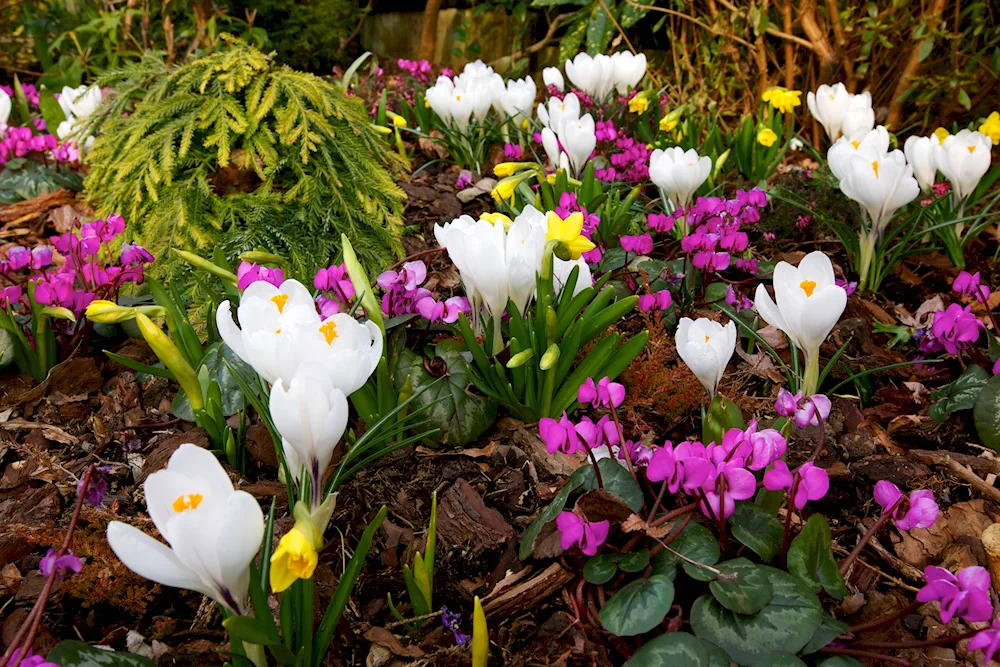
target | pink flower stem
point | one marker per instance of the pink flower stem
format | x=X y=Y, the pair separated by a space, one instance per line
x=786 y=539
x=940 y=641
x=659 y=499
x=597 y=470
x=29 y=628
x=879 y=623
x=822 y=432
x=621 y=443
x=845 y=564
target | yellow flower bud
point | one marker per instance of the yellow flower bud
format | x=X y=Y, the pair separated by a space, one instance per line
x=108 y=312
x=941 y=134
x=639 y=103
x=167 y=352
x=295 y=558
x=782 y=99
x=667 y=123
x=494 y=218
x=991 y=128
x=504 y=190
x=766 y=137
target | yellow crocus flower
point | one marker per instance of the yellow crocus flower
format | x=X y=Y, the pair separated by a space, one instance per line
x=991 y=128
x=766 y=137
x=570 y=233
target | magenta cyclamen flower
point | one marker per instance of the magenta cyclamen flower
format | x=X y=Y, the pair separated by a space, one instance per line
x=560 y=436
x=603 y=394
x=660 y=222
x=30 y=660
x=444 y=311
x=596 y=434
x=918 y=511
x=134 y=254
x=814 y=482
x=18 y=257
x=512 y=151
x=661 y=300
x=955 y=328
x=684 y=466
x=247 y=274
x=737 y=300
x=61 y=565
x=740 y=484
x=987 y=641
x=970 y=284
x=807 y=410
x=575 y=530
x=966 y=596
x=641 y=244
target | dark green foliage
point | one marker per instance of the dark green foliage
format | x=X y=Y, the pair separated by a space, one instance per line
x=233 y=150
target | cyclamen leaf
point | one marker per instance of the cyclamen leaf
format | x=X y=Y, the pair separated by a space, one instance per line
x=677 y=649
x=757 y=529
x=986 y=414
x=742 y=586
x=810 y=558
x=960 y=394
x=638 y=607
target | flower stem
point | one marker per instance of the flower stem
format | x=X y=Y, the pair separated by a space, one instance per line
x=597 y=469
x=940 y=641
x=879 y=623
x=786 y=540
x=845 y=564
x=810 y=380
x=864 y=654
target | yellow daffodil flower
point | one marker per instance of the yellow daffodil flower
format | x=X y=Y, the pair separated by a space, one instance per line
x=766 y=137
x=782 y=99
x=505 y=169
x=991 y=128
x=667 y=123
x=639 y=103
x=569 y=233
x=941 y=134
x=108 y=312
x=295 y=558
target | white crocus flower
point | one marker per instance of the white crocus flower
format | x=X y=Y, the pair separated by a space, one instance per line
x=678 y=173
x=860 y=116
x=310 y=413
x=807 y=304
x=882 y=184
x=829 y=105
x=213 y=531
x=579 y=139
x=706 y=347
x=524 y=247
x=518 y=98
x=267 y=316
x=871 y=144
x=5 y=108
x=346 y=350
x=551 y=145
x=439 y=98
x=587 y=74
x=561 y=270
x=556 y=111
x=551 y=76
x=629 y=68
x=963 y=158
x=919 y=153
x=84 y=101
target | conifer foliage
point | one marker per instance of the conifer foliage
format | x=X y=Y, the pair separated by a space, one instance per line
x=235 y=151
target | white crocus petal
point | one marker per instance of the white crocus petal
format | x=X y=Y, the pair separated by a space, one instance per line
x=347 y=350
x=706 y=347
x=152 y=559
x=543 y=115
x=66 y=97
x=808 y=302
x=565 y=110
x=606 y=82
x=5 y=108
x=860 y=116
x=586 y=74
x=872 y=144
x=230 y=332
x=919 y=153
x=829 y=106
x=551 y=76
x=439 y=98
x=678 y=173
x=579 y=139
x=629 y=69
x=963 y=158
x=311 y=416
x=561 y=270
x=524 y=247
x=551 y=145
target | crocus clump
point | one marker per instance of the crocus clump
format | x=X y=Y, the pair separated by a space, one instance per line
x=919 y=510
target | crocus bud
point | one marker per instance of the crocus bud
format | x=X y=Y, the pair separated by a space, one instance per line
x=172 y=358
x=108 y=312
x=550 y=358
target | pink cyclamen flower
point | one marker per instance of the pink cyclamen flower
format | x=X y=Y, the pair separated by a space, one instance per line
x=970 y=284
x=811 y=409
x=640 y=245
x=661 y=300
x=30 y=660
x=41 y=256
x=134 y=254
x=560 y=436
x=247 y=274
x=849 y=287
x=512 y=151
x=683 y=466
x=919 y=510
x=576 y=531
x=603 y=394
x=660 y=222
x=740 y=485
x=61 y=565
x=444 y=311
x=596 y=434
x=956 y=328
x=987 y=641
x=814 y=482
x=335 y=279
x=18 y=257
x=966 y=596
x=767 y=446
